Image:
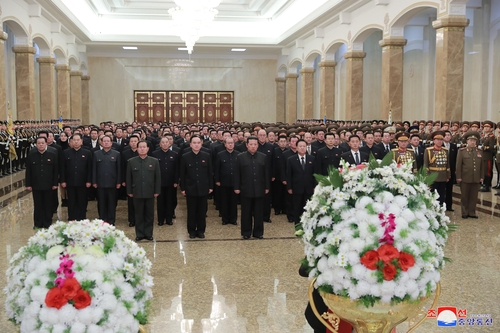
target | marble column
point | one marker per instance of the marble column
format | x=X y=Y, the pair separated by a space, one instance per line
x=327 y=89
x=85 y=99
x=63 y=91
x=307 y=92
x=392 y=77
x=47 y=86
x=280 y=99
x=291 y=97
x=354 y=85
x=25 y=81
x=76 y=94
x=450 y=39
x=3 y=83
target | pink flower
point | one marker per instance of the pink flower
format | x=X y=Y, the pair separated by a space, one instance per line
x=59 y=282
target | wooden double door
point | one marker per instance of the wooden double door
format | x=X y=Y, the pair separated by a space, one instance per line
x=183 y=106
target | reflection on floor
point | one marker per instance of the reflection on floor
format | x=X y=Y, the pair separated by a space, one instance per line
x=226 y=284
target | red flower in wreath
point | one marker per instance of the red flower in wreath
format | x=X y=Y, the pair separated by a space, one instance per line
x=370 y=259
x=387 y=252
x=55 y=298
x=406 y=261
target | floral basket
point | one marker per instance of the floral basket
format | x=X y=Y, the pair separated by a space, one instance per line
x=375 y=233
x=79 y=277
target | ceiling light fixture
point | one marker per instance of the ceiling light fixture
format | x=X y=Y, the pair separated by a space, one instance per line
x=130 y=47
x=182 y=48
x=238 y=50
x=193 y=17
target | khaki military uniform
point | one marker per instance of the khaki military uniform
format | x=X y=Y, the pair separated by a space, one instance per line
x=437 y=161
x=470 y=170
x=404 y=157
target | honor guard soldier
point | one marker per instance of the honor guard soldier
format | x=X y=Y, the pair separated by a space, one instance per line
x=488 y=148
x=403 y=154
x=470 y=172
x=436 y=160
x=497 y=156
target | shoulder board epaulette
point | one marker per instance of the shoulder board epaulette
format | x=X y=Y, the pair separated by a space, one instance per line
x=463 y=148
x=409 y=149
x=394 y=149
x=444 y=148
x=428 y=148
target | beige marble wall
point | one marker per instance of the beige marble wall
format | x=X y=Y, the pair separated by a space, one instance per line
x=85 y=99
x=307 y=92
x=392 y=77
x=280 y=99
x=63 y=91
x=76 y=94
x=354 y=84
x=327 y=89
x=25 y=81
x=115 y=79
x=449 y=66
x=291 y=98
x=47 y=86
x=3 y=81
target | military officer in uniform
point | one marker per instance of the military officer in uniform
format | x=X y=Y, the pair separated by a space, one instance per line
x=107 y=179
x=470 y=173
x=488 y=148
x=436 y=160
x=403 y=154
x=143 y=185
x=42 y=173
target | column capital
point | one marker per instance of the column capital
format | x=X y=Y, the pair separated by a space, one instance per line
x=75 y=73
x=327 y=63
x=393 y=42
x=280 y=79
x=292 y=76
x=306 y=70
x=451 y=23
x=85 y=77
x=63 y=68
x=23 y=49
x=46 y=60
x=4 y=35
x=355 y=55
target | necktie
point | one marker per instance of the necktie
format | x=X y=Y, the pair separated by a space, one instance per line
x=386 y=148
x=356 y=158
x=119 y=141
x=303 y=163
x=308 y=150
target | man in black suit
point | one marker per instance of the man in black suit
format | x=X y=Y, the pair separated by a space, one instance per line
x=42 y=172
x=386 y=144
x=225 y=164
x=252 y=181
x=76 y=177
x=267 y=149
x=292 y=143
x=300 y=179
x=94 y=139
x=328 y=155
x=370 y=147
x=320 y=139
x=418 y=149
x=452 y=156
x=311 y=149
x=354 y=156
x=120 y=139
x=107 y=179
x=196 y=184
x=279 y=189
x=129 y=152
x=169 y=166
x=143 y=185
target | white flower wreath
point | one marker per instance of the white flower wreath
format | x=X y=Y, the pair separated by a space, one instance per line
x=79 y=277
x=375 y=232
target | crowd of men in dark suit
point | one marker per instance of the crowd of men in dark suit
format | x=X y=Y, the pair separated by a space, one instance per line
x=261 y=166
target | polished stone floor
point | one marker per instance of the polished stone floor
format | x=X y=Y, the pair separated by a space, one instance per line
x=226 y=284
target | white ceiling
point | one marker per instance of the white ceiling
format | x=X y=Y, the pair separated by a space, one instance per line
x=263 y=27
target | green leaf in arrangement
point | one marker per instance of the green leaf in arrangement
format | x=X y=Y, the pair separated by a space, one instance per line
x=322 y=180
x=335 y=177
x=387 y=160
x=372 y=162
x=429 y=180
